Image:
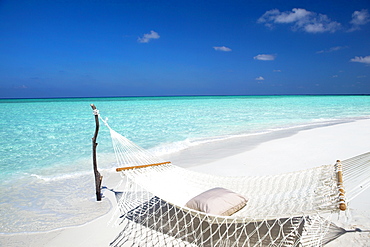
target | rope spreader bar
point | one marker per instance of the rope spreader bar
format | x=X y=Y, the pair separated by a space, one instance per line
x=342 y=200
x=142 y=166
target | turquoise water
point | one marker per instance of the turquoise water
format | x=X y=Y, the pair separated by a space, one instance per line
x=45 y=144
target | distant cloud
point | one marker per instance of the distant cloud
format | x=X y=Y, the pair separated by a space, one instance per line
x=335 y=48
x=265 y=57
x=276 y=70
x=260 y=78
x=21 y=87
x=221 y=48
x=334 y=76
x=359 y=18
x=361 y=59
x=148 y=36
x=301 y=19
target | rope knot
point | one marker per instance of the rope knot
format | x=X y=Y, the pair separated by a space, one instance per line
x=96 y=112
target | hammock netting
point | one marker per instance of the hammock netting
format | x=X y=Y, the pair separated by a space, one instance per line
x=291 y=209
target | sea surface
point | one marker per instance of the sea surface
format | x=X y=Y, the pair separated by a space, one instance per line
x=45 y=144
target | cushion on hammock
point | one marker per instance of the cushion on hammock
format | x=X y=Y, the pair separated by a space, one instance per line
x=217 y=201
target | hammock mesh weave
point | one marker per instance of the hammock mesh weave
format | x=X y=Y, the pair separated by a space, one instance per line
x=292 y=209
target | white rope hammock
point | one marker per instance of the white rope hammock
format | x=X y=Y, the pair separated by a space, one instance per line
x=292 y=209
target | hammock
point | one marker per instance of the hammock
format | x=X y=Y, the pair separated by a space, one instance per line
x=292 y=209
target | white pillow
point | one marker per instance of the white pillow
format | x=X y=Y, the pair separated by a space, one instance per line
x=217 y=201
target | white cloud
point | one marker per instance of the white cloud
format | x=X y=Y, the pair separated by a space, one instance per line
x=148 y=36
x=260 y=78
x=265 y=57
x=297 y=15
x=359 y=18
x=21 y=87
x=335 y=48
x=221 y=48
x=301 y=19
x=361 y=59
x=276 y=70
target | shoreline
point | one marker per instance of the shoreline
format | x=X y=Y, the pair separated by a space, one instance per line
x=211 y=153
x=294 y=150
x=80 y=235
x=276 y=153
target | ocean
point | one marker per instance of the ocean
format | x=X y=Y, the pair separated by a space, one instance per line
x=45 y=144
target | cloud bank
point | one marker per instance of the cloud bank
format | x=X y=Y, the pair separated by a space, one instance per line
x=265 y=57
x=312 y=22
x=221 y=48
x=148 y=36
x=361 y=59
x=301 y=19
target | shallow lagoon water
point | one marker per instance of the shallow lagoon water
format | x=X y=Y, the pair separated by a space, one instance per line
x=45 y=144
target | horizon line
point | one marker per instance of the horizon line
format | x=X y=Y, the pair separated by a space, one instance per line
x=183 y=95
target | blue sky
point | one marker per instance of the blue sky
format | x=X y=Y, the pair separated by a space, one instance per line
x=89 y=48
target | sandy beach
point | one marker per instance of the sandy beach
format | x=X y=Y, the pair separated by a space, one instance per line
x=278 y=152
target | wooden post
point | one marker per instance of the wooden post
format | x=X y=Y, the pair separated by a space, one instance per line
x=98 y=177
x=342 y=201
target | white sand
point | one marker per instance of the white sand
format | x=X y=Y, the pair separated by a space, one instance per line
x=287 y=151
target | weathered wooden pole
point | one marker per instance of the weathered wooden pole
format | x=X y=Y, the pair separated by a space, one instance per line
x=98 y=177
